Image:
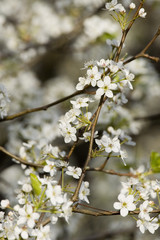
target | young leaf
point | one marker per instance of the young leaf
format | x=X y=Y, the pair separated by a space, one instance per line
x=155 y=162
x=36 y=184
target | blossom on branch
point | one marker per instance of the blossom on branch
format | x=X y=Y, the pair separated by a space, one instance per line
x=105 y=87
x=113 y=6
x=125 y=204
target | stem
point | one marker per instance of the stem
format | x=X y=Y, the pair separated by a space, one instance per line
x=75 y=196
x=125 y=32
x=44 y=107
x=111 y=172
x=105 y=162
x=20 y=159
x=102 y=212
x=143 y=52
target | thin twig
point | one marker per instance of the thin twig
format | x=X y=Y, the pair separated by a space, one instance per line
x=75 y=196
x=20 y=160
x=112 y=172
x=125 y=32
x=105 y=162
x=44 y=107
x=143 y=52
x=40 y=219
x=99 y=213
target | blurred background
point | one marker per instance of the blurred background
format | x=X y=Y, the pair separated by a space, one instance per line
x=43 y=47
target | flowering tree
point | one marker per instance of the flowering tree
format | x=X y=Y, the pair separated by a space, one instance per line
x=52 y=186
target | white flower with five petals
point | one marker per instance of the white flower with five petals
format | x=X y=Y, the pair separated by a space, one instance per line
x=93 y=75
x=27 y=215
x=125 y=204
x=105 y=87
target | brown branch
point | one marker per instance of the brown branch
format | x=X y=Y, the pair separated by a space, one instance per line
x=143 y=52
x=112 y=172
x=40 y=220
x=43 y=108
x=125 y=32
x=75 y=196
x=105 y=162
x=101 y=212
x=20 y=160
x=97 y=212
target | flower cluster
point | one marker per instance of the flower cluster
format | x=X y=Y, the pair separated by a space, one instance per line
x=140 y=194
x=107 y=75
x=75 y=119
x=38 y=195
x=110 y=78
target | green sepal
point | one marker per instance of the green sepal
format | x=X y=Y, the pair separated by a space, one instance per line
x=36 y=184
x=155 y=162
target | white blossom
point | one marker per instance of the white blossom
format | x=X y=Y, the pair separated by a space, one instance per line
x=67 y=131
x=113 y=6
x=72 y=114
x=144 y=210
x=105 y=87
x=27 y=188
x=115 y=66
x=128 y=79
x=74 y=172
x=82 y=83
x=125 y=204
x=142 y=13
x=84 y=192
x=50 y=168
x=93 y=75
x=132 y=5
x=27 y=215
x=43 y=233
x=54 y=193
x=103 y=63
x=4 y=203
x=81 y=102
x=87 y=136
x=66 y=209
x=144 y=225
x=110 y=145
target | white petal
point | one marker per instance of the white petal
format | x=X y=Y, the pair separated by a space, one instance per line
x=113 y=86
x=100 y=92
x=131 y=207
x=129 y=198
x=31 y=223
x=100 y=83
x=117 y=205
x=124 y=212
x=107 y=80
x=109 y=93
x=121 y=197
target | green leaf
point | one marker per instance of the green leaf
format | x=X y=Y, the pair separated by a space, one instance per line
x=36 y=184
x=155 y=162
